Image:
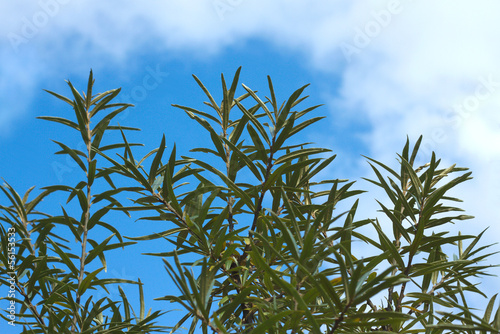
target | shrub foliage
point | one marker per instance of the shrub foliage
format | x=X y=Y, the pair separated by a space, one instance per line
x=255 y=240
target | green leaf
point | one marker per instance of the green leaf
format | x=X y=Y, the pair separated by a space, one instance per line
x=283 y=170
x=389 y=247
x=119 y=145
x=239 y=126
x=304 y=125
x=261 y=104
x=438 y=194
x=292 y=244
x=80 y=113
x=269 y=323
x=289 y=289
x=156 y=162
x=243 y=157
x=255 y=121
x=489 y=308
x=136 y=174
x=141 y=301
x=346 y=233
x=383 y=184
x=197 y=112
x=109 y=95
x=167 y=189
x=344 y=272
x=103 y=124
x=496 y=320
x=60 y=120
x=98 y=250
x=259 y=146
x=228 y=97
x=397 y=223
x=299 y=154
x=284 y=134
x=288 y=106
x=112 y=127
x=64 y=257
x=73 y=154
x=207 y=93
x=87 y=281
x=215 y=137
x=60 y=97
x=237 y=190
x=91 y=172
x=90 y=84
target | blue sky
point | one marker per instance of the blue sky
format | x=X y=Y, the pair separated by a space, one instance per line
x=382 y=69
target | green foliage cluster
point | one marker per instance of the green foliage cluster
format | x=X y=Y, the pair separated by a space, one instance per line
x=256 y=246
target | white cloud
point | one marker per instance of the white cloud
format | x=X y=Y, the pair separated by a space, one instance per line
x=434 y=71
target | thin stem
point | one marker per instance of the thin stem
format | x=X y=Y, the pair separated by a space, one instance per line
x=171 y=209
x=29 y=304
x=263 y=192
x=207 y=322
x=248 y=314
x=27 y=300
x=397 y=244
x=83 y=255
x=339 y=320
x=25 y=222
x=431 y=292
x=229 y=198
